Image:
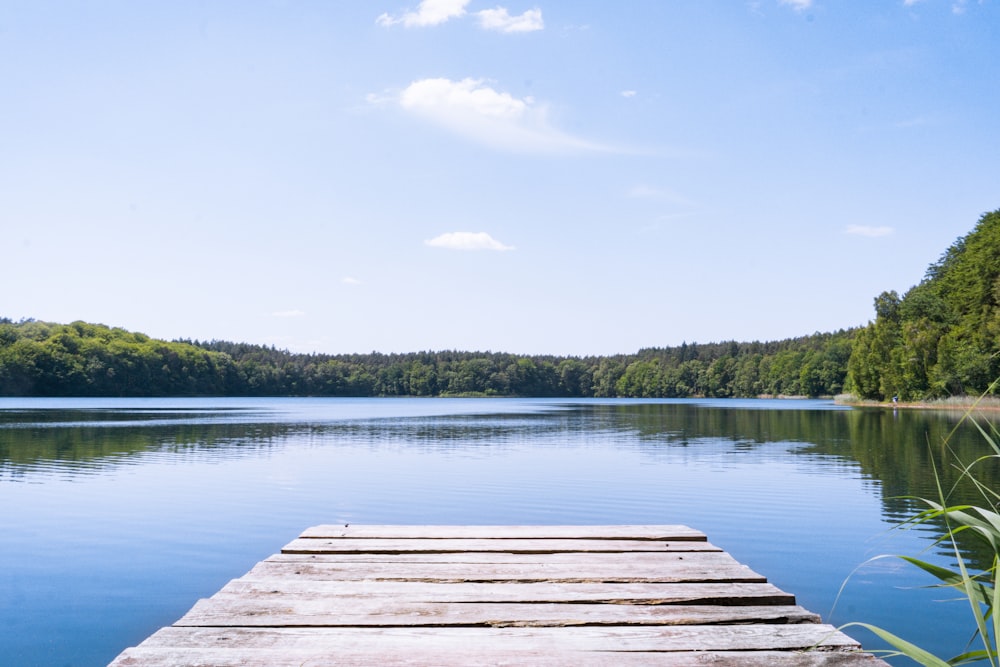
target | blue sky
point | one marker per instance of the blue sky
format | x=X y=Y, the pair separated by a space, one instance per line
x=556 y=177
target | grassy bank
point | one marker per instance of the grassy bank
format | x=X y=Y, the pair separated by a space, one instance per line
x=958 y=403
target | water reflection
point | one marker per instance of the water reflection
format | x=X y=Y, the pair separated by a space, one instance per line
x=32 y=452
x=900 y=450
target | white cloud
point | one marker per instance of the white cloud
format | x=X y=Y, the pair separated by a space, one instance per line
x=872 y=232
x=443 y=97
x=467 y=241
x=797 y=5
x=436 y=12
x=288 y=313
x=497 y=119
x=500 y=20
x=428 y=13
x=628 y=93
x=348 y=280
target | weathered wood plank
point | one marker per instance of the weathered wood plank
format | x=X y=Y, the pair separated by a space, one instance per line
x=621 y=638
x=285 y=612
x=656 y=593
x=474 y=656
x=512 y=545
x=665 y=559
x=641 y=559
x=711 y=566
x=641 y=532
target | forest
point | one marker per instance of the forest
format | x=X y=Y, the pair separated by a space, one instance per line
x=81 y=359
x=941 y=338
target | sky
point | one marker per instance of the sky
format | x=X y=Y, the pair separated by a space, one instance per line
x=553 y=177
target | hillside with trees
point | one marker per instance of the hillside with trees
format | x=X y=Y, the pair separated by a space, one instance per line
x=81 y=359
x=942 y=337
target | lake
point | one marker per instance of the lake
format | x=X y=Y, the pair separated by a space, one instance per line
x=119 y=514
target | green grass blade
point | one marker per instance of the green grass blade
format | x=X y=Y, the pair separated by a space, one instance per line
x=904 y=647
x=991 y=645
x=948 y=577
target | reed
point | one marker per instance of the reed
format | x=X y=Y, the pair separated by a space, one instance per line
x=979 y=522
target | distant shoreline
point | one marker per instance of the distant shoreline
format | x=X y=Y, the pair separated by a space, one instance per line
x=956 y=403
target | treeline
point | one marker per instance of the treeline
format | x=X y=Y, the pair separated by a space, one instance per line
x=813 y=365
x=82 y=359
x=942 y=337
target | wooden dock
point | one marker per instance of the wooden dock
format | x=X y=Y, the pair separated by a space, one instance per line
x=498 y=595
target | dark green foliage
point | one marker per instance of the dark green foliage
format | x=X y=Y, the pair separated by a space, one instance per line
x=808 y=366
x=942 y=337
x=814 y=365
x=80 y=359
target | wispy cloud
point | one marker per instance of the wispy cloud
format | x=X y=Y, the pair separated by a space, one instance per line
x=499 y=19
x=628 y=93
x=348 y=280
x=435 y=12
x=467 y=241
x=957 y=6
x=497 y=119
x=428 y=13
x=288 y=313
x=871 y=232
x=797 y=5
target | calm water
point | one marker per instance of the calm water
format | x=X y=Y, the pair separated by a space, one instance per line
x=119 y=514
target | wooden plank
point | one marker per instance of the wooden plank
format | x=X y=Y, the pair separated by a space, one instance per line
x=640 y=532
x=668 y=568
x=474 y=656
x=513 y=545
x=622 y=638
x=665 y=559
x=641 y=559
x=285 y=612
x=682 y=593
